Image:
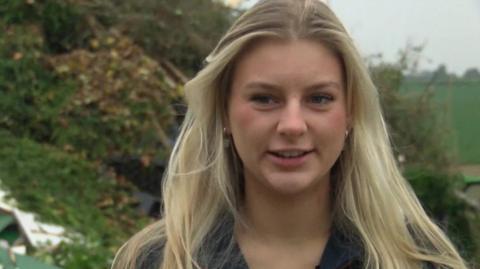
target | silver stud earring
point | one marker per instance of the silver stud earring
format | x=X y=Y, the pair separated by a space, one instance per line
x=226 y=138
x=346 y=133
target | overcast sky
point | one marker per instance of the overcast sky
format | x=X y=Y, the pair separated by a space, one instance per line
x=450 y=30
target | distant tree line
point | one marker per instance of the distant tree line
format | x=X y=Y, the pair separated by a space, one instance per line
x=441 y=74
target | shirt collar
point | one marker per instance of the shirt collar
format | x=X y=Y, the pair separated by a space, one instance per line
x=339 y=251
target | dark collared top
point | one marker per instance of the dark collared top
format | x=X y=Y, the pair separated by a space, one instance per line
x=340 y=253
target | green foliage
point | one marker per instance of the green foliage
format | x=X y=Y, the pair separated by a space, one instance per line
x=471 y=74
x=62 y=22
x=182 y=31
x=79 y=255
x=421 y=135
x=30 y=95
x=437 y=193
x=100 y=97
x=424 y=141
x=122 y=104
x=64 y=26
x=67 y=190
x=18 y=11
x=458 y=100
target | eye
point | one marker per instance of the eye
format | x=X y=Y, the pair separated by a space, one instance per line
x=263 y=99
x=320 y=99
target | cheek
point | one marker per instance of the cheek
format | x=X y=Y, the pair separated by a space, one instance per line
x=242 y=120
x=248 y=129
x=335 y=124
x=339 y=119
x=245 y=121
x=241 y=116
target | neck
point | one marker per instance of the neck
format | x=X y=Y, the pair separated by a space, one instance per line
x=287 y=218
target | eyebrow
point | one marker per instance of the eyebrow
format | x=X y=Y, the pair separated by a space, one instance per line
x=325 y=84
x=262 y=85
x=316 y=86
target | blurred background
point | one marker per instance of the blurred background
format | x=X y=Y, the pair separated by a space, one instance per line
x=91 y=99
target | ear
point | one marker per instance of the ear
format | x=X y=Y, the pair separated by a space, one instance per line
x=349 y=122
x=226 y=123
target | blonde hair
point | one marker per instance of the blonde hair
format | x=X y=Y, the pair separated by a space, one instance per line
x=372 y=200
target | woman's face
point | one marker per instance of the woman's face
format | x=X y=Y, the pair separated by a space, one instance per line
x=287 y=114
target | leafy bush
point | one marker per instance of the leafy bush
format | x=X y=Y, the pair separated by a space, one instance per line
x=122 y=104
x=64 y=26
x=437 y=193
x=424 y=141
x=62 y=22
x=30 y=95
x=182 y=31
x=109 y=101
x=18 y=11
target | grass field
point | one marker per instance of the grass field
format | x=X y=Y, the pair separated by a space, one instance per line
x=461 y=102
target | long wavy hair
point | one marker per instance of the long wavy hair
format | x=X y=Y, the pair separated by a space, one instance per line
x=203 y=182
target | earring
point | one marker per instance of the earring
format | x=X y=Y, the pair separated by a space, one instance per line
x=226 y=138
x=346 y=136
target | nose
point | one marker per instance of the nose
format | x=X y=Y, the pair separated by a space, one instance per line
x=292 y=121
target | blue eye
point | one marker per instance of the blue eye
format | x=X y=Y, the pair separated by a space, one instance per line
x=263 y=99
x=320 y=99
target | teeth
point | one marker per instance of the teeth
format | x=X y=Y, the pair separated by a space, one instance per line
x=290 y=154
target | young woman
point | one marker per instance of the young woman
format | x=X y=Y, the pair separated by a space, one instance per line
x=284 y=160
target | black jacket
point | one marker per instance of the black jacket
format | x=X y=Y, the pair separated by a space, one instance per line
x=339 y=253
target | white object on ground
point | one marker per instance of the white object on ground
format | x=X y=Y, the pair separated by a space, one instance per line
x=20 y=250
x=39 y=234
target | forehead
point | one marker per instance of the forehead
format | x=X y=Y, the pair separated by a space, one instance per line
x=287 y=62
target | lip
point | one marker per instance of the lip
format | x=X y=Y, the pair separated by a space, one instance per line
x=289 y=163
x=290 y=149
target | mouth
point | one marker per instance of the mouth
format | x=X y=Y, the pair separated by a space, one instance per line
x=290 y=154
x=289 y=159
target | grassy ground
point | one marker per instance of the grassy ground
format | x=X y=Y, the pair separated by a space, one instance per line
x=66 y=190
x=460 y=100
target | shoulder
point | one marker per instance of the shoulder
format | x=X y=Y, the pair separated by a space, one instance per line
x=211 y=251
x=342 y=251
x=144 y=250
x=150 y=258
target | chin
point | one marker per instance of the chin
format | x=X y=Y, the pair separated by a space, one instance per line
x=285 y=185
